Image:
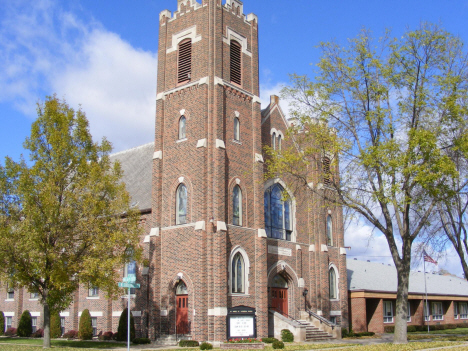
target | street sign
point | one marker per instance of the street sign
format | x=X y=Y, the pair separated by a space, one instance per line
x=129 y=285
x=131 y=278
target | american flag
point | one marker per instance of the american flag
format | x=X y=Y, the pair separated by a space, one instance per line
x=428 y=258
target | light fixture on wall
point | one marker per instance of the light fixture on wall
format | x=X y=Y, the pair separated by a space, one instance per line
x=304 y=293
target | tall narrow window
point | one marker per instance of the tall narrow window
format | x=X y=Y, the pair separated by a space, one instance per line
x=94 y=325
x=34 y=324
x=326 y=171
x=329 y=231
x=236 y=68
x=332 y=282
x=182 y=127
x=463 y=307
x=238 y=268
x=181 y=204
x=130 y=269
x=277 y=213
x=273 y=141
x=93 y=291
x=437 y=311
x=237 y=206
x=455 y=310
x=10 y=292
x=388 y=312
x=184 y=61
x=279 y=142
x=62 y=325
x=8 y=323
x=236 y=129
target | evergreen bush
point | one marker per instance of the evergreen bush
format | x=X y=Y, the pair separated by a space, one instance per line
x=2 y=323
x=55 y=326
x=278 y=344
x=85 y=331
x=269 y=340
x=287 y=336
x=25 y=325
x=206 y=346
x=188 y=343
x=122 y=330
x=141 y=341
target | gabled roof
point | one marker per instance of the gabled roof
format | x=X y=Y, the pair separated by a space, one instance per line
x=137 y=166
x=371 y=276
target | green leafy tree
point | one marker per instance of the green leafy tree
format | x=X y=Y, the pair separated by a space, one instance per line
x=381 y=112
x=25 y=325
x=55 y=325
x=65 y=216
x=2 y=323
x=85 y=331
x=122 y=330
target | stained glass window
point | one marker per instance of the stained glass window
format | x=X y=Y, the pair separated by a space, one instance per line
x=238 y=274
x=236 y=129
x=332 y=282
x=329 y=231
x=181 y=205
x=277 y=213
x=237 y=206
x=182 y=127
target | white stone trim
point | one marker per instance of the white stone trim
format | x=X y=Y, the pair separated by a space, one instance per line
x=239 y=249
x=258 y=158
x=312 y=248
x=335 y=313
x=238 y=181
x=221 y=226
x=64 y=314
x=182 y=112
x=92 y=297
x=217 y=311
x=92 y=313
x=181 y=180
x=189 y=33
x=200 y=225
x=256 y=99
x=298 y=247
x=9 y=314
x=35 y=314
x=9 y=300
x=232 y=35
x=262 y=233
x=337 y=276
x=251 y=17
x=342 y=251
x=154 y=232
x=163 y=313
x=319 y=312
x=157 y=155
x=116 y=313
x=165 y=13
x=324 y=248
x=300 y=283
x=161 y=96
x=237 y=114
x=147 y=239
x=201 y=143
x=220 y=144
x=136 y=313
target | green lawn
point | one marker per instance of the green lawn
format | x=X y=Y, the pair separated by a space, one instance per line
x=446 y=331
x=62 y=343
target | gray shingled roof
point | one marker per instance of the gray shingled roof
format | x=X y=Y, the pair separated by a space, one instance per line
x=137 y=166
x=382 y=277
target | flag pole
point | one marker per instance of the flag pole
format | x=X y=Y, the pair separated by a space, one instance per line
x=425 y=289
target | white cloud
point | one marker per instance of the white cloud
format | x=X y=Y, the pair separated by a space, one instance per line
x=46 y=50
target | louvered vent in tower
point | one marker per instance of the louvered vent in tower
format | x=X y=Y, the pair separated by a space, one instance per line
x=236 y=71
x=326 y=171
x=185 y=61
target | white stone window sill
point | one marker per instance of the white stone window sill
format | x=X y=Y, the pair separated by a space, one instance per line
x=237 y=141
x=181 y=140
x=35 y=299
x=9 y=300
x=92 y=298
x=334 y=300
x=388 y=322
x=239 y=294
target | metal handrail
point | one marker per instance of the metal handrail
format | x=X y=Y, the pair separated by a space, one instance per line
x=321 y=319
x=286 y=315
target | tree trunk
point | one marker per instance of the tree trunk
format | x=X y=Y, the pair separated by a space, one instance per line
x=46 y=326
x=401 y=313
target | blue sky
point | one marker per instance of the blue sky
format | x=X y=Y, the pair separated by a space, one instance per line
x=103 y=55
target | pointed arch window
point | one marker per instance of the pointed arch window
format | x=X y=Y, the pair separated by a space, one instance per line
x=237 y=206
x=184 y=61
x=277 y=213
x=182 y=127
x=279 y=142
x=238 y=274
x=236 y=68
x=273 y=141
x=236 y=129
x=181 y=204
x=181 y=289
x=333 y=284
x=329 y=231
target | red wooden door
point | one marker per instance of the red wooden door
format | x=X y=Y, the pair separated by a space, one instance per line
x=279 y=299
x=182 y=314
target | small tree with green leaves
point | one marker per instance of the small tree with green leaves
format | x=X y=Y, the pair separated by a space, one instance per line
x=2 y=323
x=55 y=325
x=123 y=326
x=25 y=325
x=86 y=327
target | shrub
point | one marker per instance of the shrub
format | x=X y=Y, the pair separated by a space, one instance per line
x=25 y=325
x=347 y=334
x=122 y=330
x=451 y=326
x=188 y=343
x=206 y=346
x=278 y=344
x=364 y=334
x=2 y=323
x=269 y=340
x=106 y=336
x=389 y=329
x=411 y=328
x=55 y=326
x=10 y=332
x=71 y=334
x=38 y=333
x=287 y=336
x=141 y=341
x=86 y=328
x=243 y=341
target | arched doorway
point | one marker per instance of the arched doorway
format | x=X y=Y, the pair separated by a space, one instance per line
x=182 y=323
x=279 y=294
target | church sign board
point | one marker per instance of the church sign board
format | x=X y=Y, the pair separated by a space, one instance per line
x=241 y=322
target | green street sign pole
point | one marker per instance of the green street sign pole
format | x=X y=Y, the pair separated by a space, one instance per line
x=129 y=282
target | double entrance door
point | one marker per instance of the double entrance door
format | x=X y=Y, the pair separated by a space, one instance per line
x=279 y=300
x=182 y=324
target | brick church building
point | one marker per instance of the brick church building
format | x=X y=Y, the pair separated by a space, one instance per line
x=227 y=253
